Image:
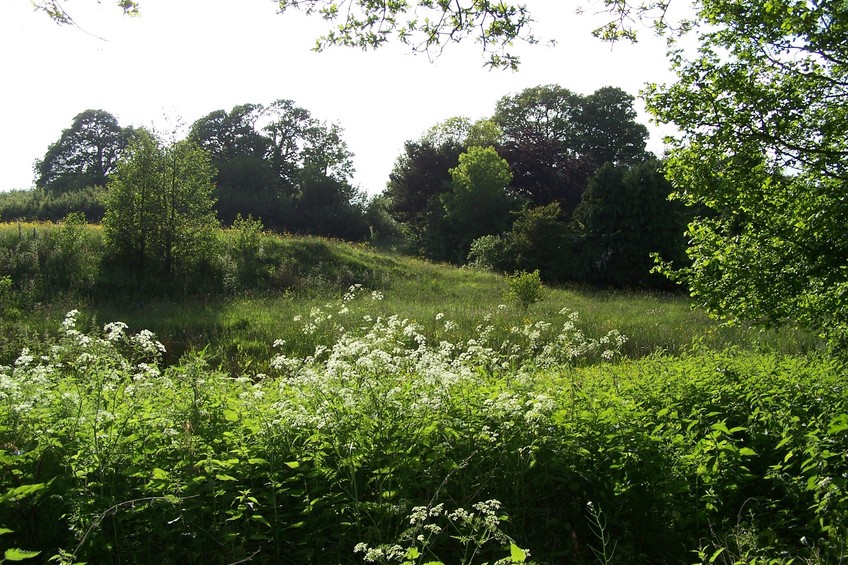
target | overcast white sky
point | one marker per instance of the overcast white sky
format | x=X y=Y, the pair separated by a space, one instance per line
x=182 y=59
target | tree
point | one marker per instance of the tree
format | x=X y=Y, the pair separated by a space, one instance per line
x=609 y=132
x=246 y=183
x=280 y=164
x=762 y=110
x=159 y=214
x=541 y=241
x=84 y=155
x=419 y=177
x=478 y=203
x=231 y=134
x=297 y=140
x=555 y=139
x=329 y=207
x=624 y=217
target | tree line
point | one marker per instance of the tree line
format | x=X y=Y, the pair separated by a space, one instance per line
x=525 y=189
x=276 y=162
x=553 y=180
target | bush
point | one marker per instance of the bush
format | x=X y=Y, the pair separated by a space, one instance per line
x=489 y=252
x=36 y=205
x=525 y=288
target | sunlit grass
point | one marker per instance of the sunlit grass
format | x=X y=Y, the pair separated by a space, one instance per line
x=299 y=274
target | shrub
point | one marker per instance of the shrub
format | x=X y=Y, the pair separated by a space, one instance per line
x=525 y=288
x=489 y=252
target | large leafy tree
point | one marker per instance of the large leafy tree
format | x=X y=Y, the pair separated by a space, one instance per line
x=623 y=219
x=421 y=173
x=297 y=140
x=608 y=130
x=246 y=183
x=478 y=203
x=159 y=213
x=280 y=164
x=231 y=134
x=84 y=155
x=418 y=179
x=762 y=108
x=555 y=139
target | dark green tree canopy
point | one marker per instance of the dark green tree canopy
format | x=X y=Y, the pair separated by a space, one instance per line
x=555 y=139
x=246 y=183
x=84 y=155
x=279 y=163
x=231 y=134
x=623 y=219
x=608 y=130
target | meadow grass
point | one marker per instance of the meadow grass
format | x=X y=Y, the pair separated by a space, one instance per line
x=289 y=277
x=241 y=329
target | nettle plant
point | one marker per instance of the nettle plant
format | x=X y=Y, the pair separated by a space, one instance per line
x=374 y=420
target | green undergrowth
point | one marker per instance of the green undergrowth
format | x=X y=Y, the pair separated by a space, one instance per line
x=257 y=284
x=391 y=443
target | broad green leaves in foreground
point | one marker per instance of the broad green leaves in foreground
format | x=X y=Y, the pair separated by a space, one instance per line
x=112 y=456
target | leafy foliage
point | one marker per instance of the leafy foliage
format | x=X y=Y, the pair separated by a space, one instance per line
x=85 y=154
x=478 y=202
x=525 y=288
x=552 y=140
x=159 y=214
x=428 y=28
x=111 y=455
x=278 y=163
x=555 y=139
x=762 y=111
x=624 y=219
x=37 y=205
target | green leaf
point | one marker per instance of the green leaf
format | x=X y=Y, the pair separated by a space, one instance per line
x=231 y=415
x=838 y=424
x=261 y=520
x=716 y=554
x=15 y=554
x=747 y=452
x=224 y=477
x=22 y=491
x=516 y=554
x=160 y=474
x=721 y=427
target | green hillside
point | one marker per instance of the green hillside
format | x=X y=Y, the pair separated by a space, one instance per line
x=249 y=293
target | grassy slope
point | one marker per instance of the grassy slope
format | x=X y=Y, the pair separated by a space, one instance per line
x=300 y=274
x=242 y=328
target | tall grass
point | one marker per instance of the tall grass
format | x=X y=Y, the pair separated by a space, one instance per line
x=250 y=299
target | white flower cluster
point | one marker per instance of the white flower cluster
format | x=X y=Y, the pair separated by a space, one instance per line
x=473 y=529
x=114 y=366
x=387 y=366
